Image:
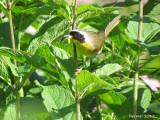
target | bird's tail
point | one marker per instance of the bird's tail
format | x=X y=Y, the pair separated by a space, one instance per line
x=112 y=24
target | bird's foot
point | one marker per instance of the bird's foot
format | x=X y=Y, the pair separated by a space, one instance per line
x=78 y=70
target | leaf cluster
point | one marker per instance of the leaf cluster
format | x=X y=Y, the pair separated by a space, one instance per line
x=45 y=69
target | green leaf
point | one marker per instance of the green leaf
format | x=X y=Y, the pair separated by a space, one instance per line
x=35 y=60
x=153 y=62
x=144 y=96
x=150 y=29
x=59 y=102
x=29 y=107
x=3 y=3
x=97 y=20
x=88 y=83
x=13 y=68
x=64 y=59
x=108 y=69
x=117 y=103
x=59 y=8
x=154 y=107
x=42 y=10
x=155 y=13
x=10 y=113
x=5 y=35
x=117 y=38
x=4 y=73
x=46 y=37
x=84 y=12
x=149 y=6
x=25 y=71
x=21 y=19
x=59 y=23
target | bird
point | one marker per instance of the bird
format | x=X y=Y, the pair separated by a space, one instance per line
x=88 y=43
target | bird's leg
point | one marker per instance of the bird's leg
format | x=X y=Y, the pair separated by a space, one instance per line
x=78 y=70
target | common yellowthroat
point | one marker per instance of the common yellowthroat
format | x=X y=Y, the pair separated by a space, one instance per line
x=88 y=43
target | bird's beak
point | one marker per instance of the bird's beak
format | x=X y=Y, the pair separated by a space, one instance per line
x=64 y=37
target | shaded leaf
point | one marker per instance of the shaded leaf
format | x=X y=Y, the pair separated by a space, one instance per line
x=154 y=107
x=153 y=62
x=4 y=73
x=117 y=103
x=144 y=96
x=5 y=35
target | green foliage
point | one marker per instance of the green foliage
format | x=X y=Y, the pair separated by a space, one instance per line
x=30 y=107
x=41 y=56
x=88 y=83
x=117 y=102
x=144 y=96
x=59 y=102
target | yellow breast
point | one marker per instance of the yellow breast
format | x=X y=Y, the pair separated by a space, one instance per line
x=85 y=48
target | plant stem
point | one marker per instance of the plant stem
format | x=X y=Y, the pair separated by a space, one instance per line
x=135 y=97
x=140 y=19
x=76 y=65
x=11 y=26
x=15 y=62
x=18 y=104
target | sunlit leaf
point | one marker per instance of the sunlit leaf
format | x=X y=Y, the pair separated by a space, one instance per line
x=59 y=102
x=108 y=69
x=88 y=83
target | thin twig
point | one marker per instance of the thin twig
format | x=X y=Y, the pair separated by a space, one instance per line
x=76 y=65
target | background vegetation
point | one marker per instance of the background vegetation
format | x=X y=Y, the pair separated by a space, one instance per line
x=37 y=80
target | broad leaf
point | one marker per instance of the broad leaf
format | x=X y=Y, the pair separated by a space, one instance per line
x=88 y=83
x=99 y=22
x=84 y=12
x=36 y=60
x=150 y=29
x=62 y=11
x=64 y=59
x=117 y=103
x=149 y=6
x=29 y=107
x=59 y=103
x=108 y=69
x=153 y=62
x=156 y=12
x=144 y=96
x=154 y=107
x=10 y=113
x=55 y=21
x=21 y=19
x=5 y=35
